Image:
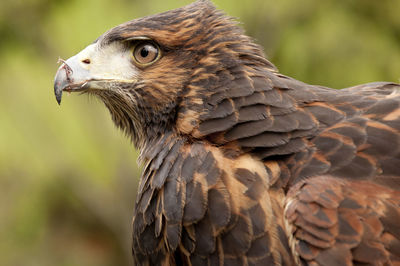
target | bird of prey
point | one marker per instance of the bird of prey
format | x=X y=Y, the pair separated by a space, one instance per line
x=243 y=165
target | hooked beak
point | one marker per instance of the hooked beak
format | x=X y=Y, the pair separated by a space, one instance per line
x=88 y=71
x=72 y=77
x=66 y=78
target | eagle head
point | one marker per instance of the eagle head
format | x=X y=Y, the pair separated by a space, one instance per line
x=157 y=74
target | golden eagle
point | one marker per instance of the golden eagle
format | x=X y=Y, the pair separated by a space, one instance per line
x=242 y=164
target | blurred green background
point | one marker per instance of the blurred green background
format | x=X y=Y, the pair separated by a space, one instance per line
x=68 y=178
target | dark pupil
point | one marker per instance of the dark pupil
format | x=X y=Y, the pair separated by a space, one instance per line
x=144 y=52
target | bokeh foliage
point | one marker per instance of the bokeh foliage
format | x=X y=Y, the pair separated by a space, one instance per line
x=68 y=177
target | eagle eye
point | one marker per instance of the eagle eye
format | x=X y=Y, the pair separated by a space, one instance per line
x=145 y=53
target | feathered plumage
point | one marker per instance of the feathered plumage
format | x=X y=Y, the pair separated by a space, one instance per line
x=243 y=165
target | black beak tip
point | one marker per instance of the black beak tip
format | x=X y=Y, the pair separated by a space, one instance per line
x=58 y=92
x=58 y=99
x=60 y=82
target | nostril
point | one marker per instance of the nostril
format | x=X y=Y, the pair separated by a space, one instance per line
x=86 y=61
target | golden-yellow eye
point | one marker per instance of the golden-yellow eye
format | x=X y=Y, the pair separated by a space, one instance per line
x=146 y=53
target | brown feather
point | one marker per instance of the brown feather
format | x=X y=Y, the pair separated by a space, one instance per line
x=246 y=166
